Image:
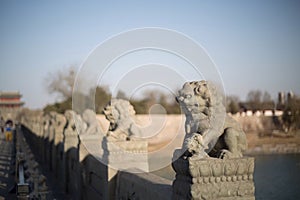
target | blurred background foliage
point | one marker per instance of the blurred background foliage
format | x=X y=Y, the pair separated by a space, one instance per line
x=61 y=83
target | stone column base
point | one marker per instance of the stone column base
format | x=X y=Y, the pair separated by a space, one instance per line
x=128 y=155
x=213 y=178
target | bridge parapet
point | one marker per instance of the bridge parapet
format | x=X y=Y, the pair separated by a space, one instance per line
x=58 y=148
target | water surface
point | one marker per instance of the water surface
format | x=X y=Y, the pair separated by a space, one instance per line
x=276 y=177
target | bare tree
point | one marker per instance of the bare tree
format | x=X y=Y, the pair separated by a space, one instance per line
x=266 y=97
x=232 y=104
x=254 y=96
x=121 y=95
x=61 y=82
x=267 y=102
x=254 y=99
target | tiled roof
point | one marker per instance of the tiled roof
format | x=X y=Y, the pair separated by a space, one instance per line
x=10 y=94
x=11 y=103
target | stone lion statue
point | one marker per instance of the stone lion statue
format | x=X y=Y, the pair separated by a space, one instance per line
x=120 y=114
x=92 y=125
x=209 y=130
x=74 y=123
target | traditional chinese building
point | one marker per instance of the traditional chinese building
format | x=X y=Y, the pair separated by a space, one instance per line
x=10 y=103
x=10 y=100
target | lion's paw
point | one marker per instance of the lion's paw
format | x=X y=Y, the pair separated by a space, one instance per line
x=199 y=155
x=225 y=154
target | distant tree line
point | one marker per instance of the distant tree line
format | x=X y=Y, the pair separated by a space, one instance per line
x=259 y=101
x=61 y=83
x=103 y=96
x=256 y=101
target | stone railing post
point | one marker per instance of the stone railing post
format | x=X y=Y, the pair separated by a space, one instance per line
x=100 y=177
x=214 y=179
x=94 y=173
x=125 y=155
x=72 y=165
x=58 y=158
x=45 y=135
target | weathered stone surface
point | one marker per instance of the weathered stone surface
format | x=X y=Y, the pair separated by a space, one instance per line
x=59 y=125
x=120 y=113
x=94 y=178
x=70 y=128
x=212 y=178
x=58 y=159
x=144 y=186
x=92 y=124
x=71 y=139
x=127 y=155
x=122 y=147
x=72 y=175
x=90 y=144
x=209 y=130
x=103 y=154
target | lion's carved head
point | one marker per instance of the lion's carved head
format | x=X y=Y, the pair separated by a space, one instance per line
x=119 y=112
x=200 y=101
x=196 y=97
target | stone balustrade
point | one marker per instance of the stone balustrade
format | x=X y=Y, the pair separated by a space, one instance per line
x=77 y=171
x=58 y=148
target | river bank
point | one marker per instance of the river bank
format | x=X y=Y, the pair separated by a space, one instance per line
x=278 y=143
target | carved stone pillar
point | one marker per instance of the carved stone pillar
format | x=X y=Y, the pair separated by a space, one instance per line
x=124 y=155
x=213 y=178
x=101 y=159
x=58 y=156
x=128 y=154
x=94 y=173
x=72 y=165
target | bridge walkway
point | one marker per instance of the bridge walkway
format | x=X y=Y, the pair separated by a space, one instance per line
x=7 y=165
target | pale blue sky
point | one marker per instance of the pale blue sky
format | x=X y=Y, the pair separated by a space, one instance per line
x=255 y=44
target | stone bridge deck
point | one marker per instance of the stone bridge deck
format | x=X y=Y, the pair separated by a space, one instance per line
x=6 y=169
x=34 y=173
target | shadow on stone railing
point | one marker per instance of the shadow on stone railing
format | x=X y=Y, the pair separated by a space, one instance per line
x=74 y=171
x=142 y=186
x=56 y=146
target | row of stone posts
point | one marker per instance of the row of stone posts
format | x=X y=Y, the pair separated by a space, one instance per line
x=55 y=141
